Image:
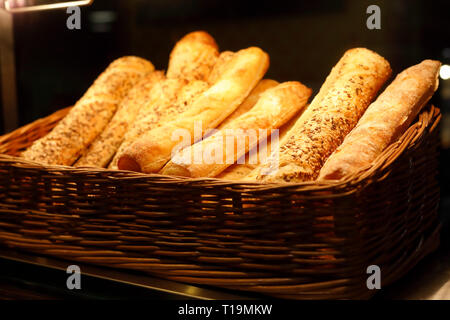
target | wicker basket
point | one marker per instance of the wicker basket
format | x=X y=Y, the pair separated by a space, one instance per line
x=305 y=241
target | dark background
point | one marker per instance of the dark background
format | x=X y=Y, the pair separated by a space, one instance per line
x=304 y=39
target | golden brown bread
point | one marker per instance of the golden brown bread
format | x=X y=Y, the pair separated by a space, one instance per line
x=193 y=57
x=384 y=120
x=220 y=67
x=152 y=151
x=328 y=119
x=90 y=115
x=248 y=170
x=250 y=101
x=238 y=170
x=259 y=155
x=168 y=99
x=222 y=149
x=103 y=148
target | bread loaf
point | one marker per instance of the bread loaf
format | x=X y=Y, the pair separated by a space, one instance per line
x=152 y=151
x=274 y=108
x=328 y=119
x=238 y=171
x=384 y=120
x=250 y=101
x=168 y=99
x=191 y=60
x=220 y=67
x=90 y=115
x=193 y=57
x=249 y=169
x=244 y=170
x=103 y=148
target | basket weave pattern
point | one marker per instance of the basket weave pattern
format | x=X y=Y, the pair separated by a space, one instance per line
x=306 y=241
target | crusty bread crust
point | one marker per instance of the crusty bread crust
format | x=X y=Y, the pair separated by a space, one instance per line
x=168 y=99
x=384 y=121
x=152 y=151
x=191 y=62
x=329 y=118
x=259 y=156
x=103 y=148
x=90 y=115
x=193 y=57
x=240 y=170
x=220 y=66
x=274 y=108
x=250 y=101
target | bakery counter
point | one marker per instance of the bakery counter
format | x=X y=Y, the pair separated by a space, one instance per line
x=26 y=276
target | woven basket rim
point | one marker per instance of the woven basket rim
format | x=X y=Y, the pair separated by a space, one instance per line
x=428 y=118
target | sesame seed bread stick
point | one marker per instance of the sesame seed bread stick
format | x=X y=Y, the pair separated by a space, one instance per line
x=103 y=148
x=90 y=115
x=328 y=119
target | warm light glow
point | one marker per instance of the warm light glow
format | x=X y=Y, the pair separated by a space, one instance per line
x=445 y=72
x=21 y=5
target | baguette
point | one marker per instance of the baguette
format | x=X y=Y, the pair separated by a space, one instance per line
x=90 y=115
x=328 y=119
x=169 y=99
x=384 y=121
x=250 y=101
x=193 y=57
x=220 y=67
x=105 y=145
x=274 y=108
x=152 y=151
x=238 y=170
x=258 y=156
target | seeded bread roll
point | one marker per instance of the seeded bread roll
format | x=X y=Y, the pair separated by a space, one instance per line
x=222 y=149
x=384 y=121
x=103 y=148
x=90 y=115
x=193 y=57
x=169 y=99
x=153 y=150
x=328 y=119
